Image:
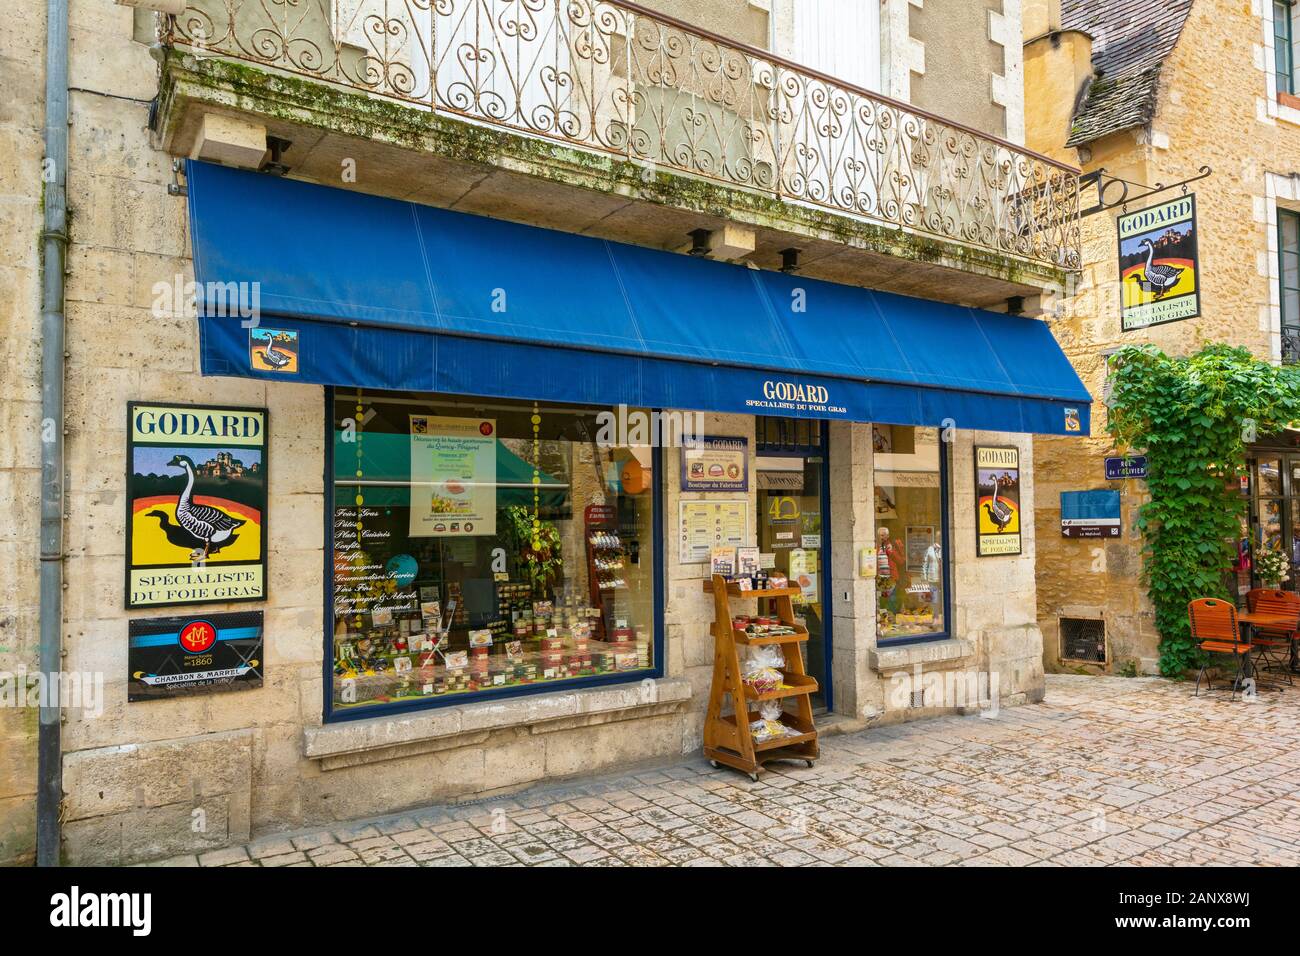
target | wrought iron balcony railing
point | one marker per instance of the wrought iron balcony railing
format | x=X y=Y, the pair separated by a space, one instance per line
x=612 y=76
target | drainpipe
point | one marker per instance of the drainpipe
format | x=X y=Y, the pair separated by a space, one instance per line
x=54 y=243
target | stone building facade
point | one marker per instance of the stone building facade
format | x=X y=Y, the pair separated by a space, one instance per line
x=1151 y=95
x=150 y=779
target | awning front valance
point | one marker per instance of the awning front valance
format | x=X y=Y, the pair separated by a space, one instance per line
x=387 y=294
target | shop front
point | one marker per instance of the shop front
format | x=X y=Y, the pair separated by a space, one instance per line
x=534 y=448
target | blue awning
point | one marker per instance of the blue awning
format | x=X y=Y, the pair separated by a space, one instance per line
x=358 y=290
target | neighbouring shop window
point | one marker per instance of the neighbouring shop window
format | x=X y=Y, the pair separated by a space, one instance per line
x=1288 y=242
x=485 y=546
x=1283 y=49
x=911 y=559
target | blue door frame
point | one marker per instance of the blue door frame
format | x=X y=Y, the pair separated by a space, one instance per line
x=801 y=438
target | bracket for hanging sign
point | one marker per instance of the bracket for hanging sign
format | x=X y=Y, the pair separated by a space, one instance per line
x=1113 y=192
x=176 y=187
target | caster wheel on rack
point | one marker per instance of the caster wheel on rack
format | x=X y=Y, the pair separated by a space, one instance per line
x=809 y=763
x=754 y=777
x=713 y=764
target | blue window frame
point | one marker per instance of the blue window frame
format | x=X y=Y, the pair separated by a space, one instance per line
x=806 y=441
x=913 y=544
x=374 y=563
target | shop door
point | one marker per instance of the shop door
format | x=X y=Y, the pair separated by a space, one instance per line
x=791 y=478
x=1274 y=489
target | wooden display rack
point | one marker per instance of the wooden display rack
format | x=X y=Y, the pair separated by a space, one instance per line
x=727 y=739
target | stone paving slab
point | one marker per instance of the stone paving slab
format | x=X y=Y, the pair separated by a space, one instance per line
x=1107 y=771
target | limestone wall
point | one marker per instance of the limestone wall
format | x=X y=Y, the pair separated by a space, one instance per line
x=21 y=120
x=1212 y=111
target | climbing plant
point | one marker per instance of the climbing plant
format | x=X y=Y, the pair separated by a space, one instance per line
x=1193 y=417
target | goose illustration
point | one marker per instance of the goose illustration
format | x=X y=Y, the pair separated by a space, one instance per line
x=998 y=513
x=180 y=538
x=272 y=356
x=211 y=526
x=1143 y=282
x=1160 y=278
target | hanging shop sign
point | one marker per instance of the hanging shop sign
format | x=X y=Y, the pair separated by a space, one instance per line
x=1159 y=270
x=1130 y=466
x=716 y=464
x=195 y=504
x=181 y=656
x=997 y=501
x=453 y=476
x=705 y=525
x=1090 y=514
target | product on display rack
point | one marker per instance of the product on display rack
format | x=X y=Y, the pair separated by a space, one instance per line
x=758 y=670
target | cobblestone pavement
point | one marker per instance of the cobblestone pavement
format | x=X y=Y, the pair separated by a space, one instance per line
x=1106 y=771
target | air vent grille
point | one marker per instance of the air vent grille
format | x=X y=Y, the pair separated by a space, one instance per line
x=1083 y=639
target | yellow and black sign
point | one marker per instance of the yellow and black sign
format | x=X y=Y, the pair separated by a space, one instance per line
x=196 y=504
x=997 y=501
x=1159 y=270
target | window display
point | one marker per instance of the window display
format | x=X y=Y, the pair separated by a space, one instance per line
x=911 y=573
x=481 y=545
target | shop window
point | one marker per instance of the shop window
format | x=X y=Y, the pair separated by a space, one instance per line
x=485 y=547
x=911 y=533
x=1288 y=236
x=1283 y=45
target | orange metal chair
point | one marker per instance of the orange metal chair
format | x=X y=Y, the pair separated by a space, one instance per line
x=1214 y=628
x=1274 y=646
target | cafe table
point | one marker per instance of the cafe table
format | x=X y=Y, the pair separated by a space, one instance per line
x=1269 y=622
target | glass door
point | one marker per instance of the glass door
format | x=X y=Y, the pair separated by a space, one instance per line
x=791 y=479
x=1274 y=515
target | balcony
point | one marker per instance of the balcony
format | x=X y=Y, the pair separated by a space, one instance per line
x=607 y=118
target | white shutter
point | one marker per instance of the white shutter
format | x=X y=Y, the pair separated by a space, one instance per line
x=839 y=37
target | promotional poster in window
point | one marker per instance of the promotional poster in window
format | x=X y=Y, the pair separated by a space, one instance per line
x=1159 y=270
x=196 y=504
x=997 y=499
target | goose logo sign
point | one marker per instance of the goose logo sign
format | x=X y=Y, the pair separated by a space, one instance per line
x=273 y=350
x=1159 y=270
x=997 y=501
x=195 y=504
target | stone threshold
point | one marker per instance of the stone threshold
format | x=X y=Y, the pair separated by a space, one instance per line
x=350 y=743
x=950 y=650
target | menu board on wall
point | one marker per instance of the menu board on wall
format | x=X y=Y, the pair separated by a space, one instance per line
x=195 y=504
x=997 y=501
x=706 y=525
x=453 y=476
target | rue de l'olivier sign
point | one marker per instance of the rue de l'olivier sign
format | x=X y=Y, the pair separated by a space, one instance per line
x=1129 y=466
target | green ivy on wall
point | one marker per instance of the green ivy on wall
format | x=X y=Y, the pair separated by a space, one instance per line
x=1193 y=417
